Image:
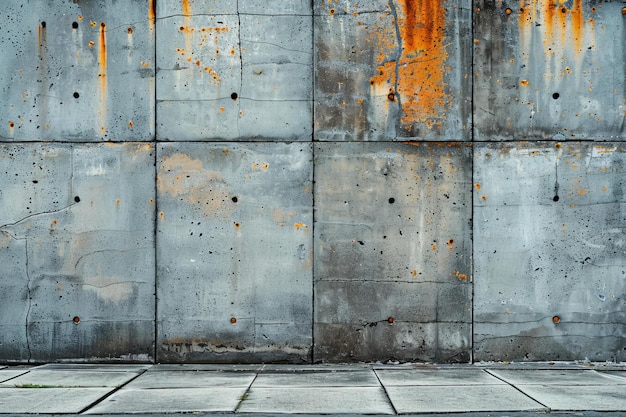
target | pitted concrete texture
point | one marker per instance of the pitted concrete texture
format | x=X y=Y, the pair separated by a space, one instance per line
x=548 y=248
x=381 y=75
x=77 y=71
x=234 y=243
x=77 y=228
x=393 y=252
x=549 y=71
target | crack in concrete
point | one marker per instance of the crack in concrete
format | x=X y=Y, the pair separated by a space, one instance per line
x=30 y=216
x=394 y=13
x=30 y=302
x=240 y=69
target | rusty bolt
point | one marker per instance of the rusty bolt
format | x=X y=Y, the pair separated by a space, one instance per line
x=556 y=319
x=624 y=11
x=391 y=96
x=508 y=10
x=76 y=319
x=233 y=320
x=390 y=320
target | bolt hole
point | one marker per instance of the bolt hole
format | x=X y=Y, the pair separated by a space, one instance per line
x=77 y=199
x=508 y=11
x=74 y=25
x=555 y=198
x=391 y=96
x=563 y=10
x=76 y=95
x=234 y=96
x=43 y=24
x=392 y=200
x=102 y=24
x=235 y=199
x=556 y=96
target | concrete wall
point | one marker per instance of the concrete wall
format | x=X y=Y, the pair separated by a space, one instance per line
x=297 y=181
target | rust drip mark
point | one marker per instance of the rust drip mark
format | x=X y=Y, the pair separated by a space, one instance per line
x=186 y=6
x=450 y=244
x=421 y=67
x=41 y=37
x=151 y=15
x=562 y=23
x=102 y=75
x=162 y=215
x=11 y=128
x=237 y=225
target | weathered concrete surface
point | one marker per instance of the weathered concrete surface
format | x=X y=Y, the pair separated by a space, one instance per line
x=549 y=251
x=76 y=223
x=392 y=69
x=393 y=252
x=235 y=252
x=234 y=74
x=76 y=71
x=549 y=70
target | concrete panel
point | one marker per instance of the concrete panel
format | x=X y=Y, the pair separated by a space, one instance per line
x=392 y=70
x=77 y=221
x=393 y=252
x=48 y=400
x=70 y=378
x=549 y=70
x=233 y=76
x=77 y=71
x=235 y=252
x=549 y=253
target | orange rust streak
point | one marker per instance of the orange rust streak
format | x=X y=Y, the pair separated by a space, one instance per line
x=186 y=6
x=151 y=15
x=102 y=74
x=578 y=24
x=549 y=10
x=422 y=63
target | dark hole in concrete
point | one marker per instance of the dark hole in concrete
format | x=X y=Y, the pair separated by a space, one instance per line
x=77 y=199
x=235 y=199
x=76 y=95
x=234 y=96
x=43 y=24
x=74 y=25
x=556 y=96
x=555 y=198
x=563 y=10
x=392 y=200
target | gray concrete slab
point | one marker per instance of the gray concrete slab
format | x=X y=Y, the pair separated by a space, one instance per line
x=565 y=377
x=548 y=258
x=391 y=229
x=48 y=400
x=234 y=242
x=615 y=374
x=313 y=400
x=456 y=377
x=379 y=76
x=186 y=400
x=73 y=378
x=461 y=398
x=573 y=398
x=79 y=227
x=8 y=374
x=205 y=367
x=317 y=379
x=192 y=379
x=81 y=72
x=547 y=71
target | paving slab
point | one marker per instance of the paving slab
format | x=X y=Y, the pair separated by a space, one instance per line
x=357 y=400
x=459 y=398
x=93 y=367
x=189 y=400
x=7 y=374
x=403 y=377
x=48 y=400
x=60 y=378
x=192 y=379
x=556 y=377
x=317 y=379
x=205 y=367
x=578 y=398
x=616 y=374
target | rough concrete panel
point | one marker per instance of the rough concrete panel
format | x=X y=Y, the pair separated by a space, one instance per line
x=549 y=251
x=83 y=217
x=549 y=70
x=392 y=241
x=392 y=70
x=233 y=76
x=234 y=244
x=77 y=71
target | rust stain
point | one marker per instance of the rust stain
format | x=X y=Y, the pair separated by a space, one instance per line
x=450 y=243
x=186 y=29
x=11 y=128
x=237 y=225
x=417 y=76
x=151 y=15
x=477 y=185
x=41 y=36
x=459 y=275
x=414 y=272
x=162 y=215
x=301 y=226
x=433 y=247
x=102 y=75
